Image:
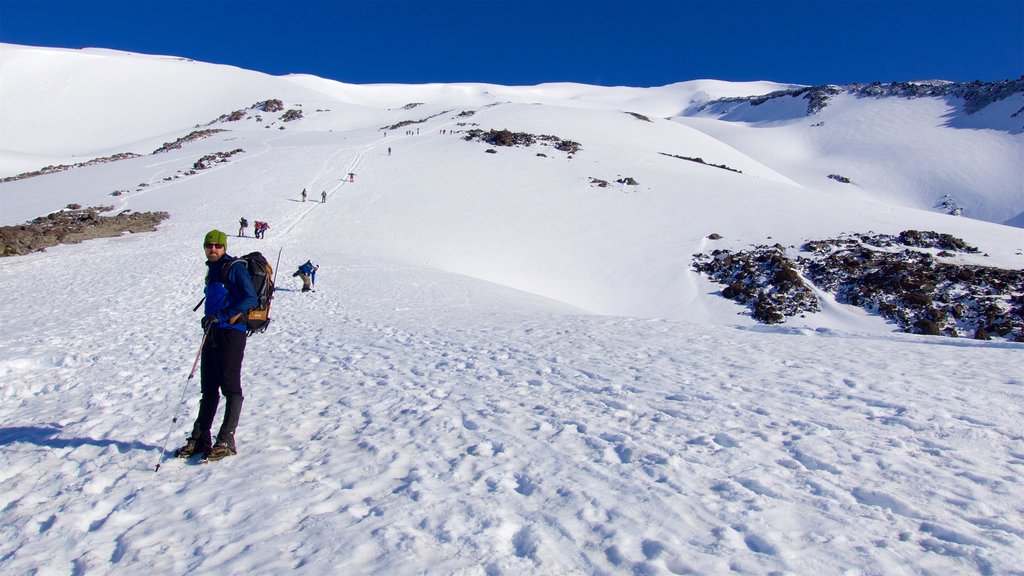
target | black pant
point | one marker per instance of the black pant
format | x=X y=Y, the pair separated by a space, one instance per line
x=221 y=371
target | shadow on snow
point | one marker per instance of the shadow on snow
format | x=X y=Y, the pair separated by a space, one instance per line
x=46 y=436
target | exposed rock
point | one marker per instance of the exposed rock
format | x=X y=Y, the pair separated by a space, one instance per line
x=525 y=139
x=976 y=95
x=269 y=105
x=190 y=137
x=891 y=275
x=73 y=226
x=215 y=158
x=63 y=167
x=701 y=161
x=764 y=278
x=405 y=123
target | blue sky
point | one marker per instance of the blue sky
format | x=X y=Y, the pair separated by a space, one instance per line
x=524 y=42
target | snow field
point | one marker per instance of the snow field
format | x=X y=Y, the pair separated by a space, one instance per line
x=503 y=370
x=554 y=443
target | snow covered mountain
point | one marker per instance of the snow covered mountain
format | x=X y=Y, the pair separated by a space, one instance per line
x=509 y=366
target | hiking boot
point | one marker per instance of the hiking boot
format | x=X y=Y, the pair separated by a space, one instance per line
x=220 y=450
x=191 y=448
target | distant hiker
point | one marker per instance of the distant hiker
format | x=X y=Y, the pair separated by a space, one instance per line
x=389 y=150
x=229 y=295
x=351 y=177
x=303 y=194
x=242 y=225
x=260 y=228
x=307 y=272
x=323 y=197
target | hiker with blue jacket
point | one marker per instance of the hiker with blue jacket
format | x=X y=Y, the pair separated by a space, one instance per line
x=229 y=295
x=307 y=272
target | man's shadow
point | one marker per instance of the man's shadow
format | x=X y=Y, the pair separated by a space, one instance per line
x=46 y=436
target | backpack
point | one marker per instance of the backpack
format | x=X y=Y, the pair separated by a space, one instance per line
x=262 y=276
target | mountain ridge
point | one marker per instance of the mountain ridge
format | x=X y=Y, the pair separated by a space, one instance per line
x=975 y=95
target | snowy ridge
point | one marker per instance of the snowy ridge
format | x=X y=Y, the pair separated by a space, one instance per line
x=974 y=96
x=504 y=369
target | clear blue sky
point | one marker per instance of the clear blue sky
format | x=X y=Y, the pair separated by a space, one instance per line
x=524 y=42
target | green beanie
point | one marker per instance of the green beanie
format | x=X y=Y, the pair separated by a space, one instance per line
x=216 y=237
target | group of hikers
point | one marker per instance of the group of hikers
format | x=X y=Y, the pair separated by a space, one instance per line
x=229 y=297
x=259 y=228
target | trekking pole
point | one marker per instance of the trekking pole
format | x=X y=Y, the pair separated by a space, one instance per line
x=184 y=388
x=276 y=266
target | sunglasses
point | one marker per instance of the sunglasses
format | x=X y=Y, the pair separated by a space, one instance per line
x=208 y=246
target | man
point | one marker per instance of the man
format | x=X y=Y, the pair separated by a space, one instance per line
x=229 y=295
x=307 y=272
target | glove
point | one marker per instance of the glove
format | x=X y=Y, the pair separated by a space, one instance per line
x=208 y=321
x=294 y=275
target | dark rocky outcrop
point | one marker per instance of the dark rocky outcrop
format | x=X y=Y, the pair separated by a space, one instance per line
x=896 y=276
x=273 y=105
x=975 y=95
x=215 y=158
x=525 y=139
x=190 y=137
x=63 y=167
x=701 y=161
x=405 y=123
x=72 y=226
x=763 y=278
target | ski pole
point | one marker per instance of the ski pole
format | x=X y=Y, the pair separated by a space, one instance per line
x=184 y=388
x=276 y=266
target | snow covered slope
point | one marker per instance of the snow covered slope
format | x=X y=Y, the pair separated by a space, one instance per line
x=505 y=369
x=908 y=151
